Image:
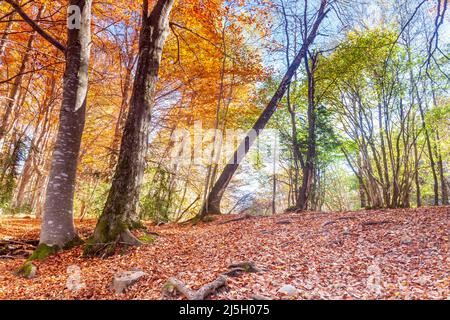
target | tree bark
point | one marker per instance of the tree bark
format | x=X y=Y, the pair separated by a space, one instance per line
x=120 y=123
x=57 y=224
x=215 y=197
x=120 y=212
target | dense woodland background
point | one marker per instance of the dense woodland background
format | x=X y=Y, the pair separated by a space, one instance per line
x=224 y=149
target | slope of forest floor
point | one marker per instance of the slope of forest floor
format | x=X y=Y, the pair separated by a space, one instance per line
x=385 y=254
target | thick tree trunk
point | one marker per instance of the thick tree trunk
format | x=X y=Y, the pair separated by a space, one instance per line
x=215 y=197
x=57 y=224
x=120 y=213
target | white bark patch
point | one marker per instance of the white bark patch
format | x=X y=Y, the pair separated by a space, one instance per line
x=85 y=40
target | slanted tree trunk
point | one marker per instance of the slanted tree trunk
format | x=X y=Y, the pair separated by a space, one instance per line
x=58 y=229
x=216 y=194
x=120 y=213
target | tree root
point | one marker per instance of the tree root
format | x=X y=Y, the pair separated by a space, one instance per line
x=174 y=285
x=14 y=249
x=242 y=267
x=338 y=219
x=104 y=250
x=245 y=217
x=7 y=257
x=286 y=221
x=25 y=243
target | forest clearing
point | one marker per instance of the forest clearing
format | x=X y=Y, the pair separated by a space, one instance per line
x=224 y=150
x=385 y=254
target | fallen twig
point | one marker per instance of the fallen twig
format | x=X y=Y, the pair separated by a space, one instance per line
x=30 y=243
x=260 y=297
x=336 y=220
x=374 y=223
x=175 y=285
x=7 y=257
x=247 y=216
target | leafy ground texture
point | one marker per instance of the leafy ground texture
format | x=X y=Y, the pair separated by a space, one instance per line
x=384 y=254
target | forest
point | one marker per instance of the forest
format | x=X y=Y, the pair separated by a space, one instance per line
x=224 y=149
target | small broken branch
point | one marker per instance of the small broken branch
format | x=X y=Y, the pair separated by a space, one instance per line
x=245 y=217
x=374 y=223
x=210 y=288
x=28 y=243
x=260 y=297
x=237 y=269
x=175 y=285
x=338 y=219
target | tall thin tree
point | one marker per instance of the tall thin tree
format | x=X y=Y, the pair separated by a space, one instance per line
x=212 y=205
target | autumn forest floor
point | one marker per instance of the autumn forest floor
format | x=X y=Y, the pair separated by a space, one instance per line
x=385 y=254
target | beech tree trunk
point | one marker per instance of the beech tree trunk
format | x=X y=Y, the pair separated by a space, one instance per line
x=120 y=213
x=212 y=205
x=57 y=223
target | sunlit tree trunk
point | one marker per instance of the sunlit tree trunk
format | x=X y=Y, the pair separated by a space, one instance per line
x=120 y=212
x=57 y=224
